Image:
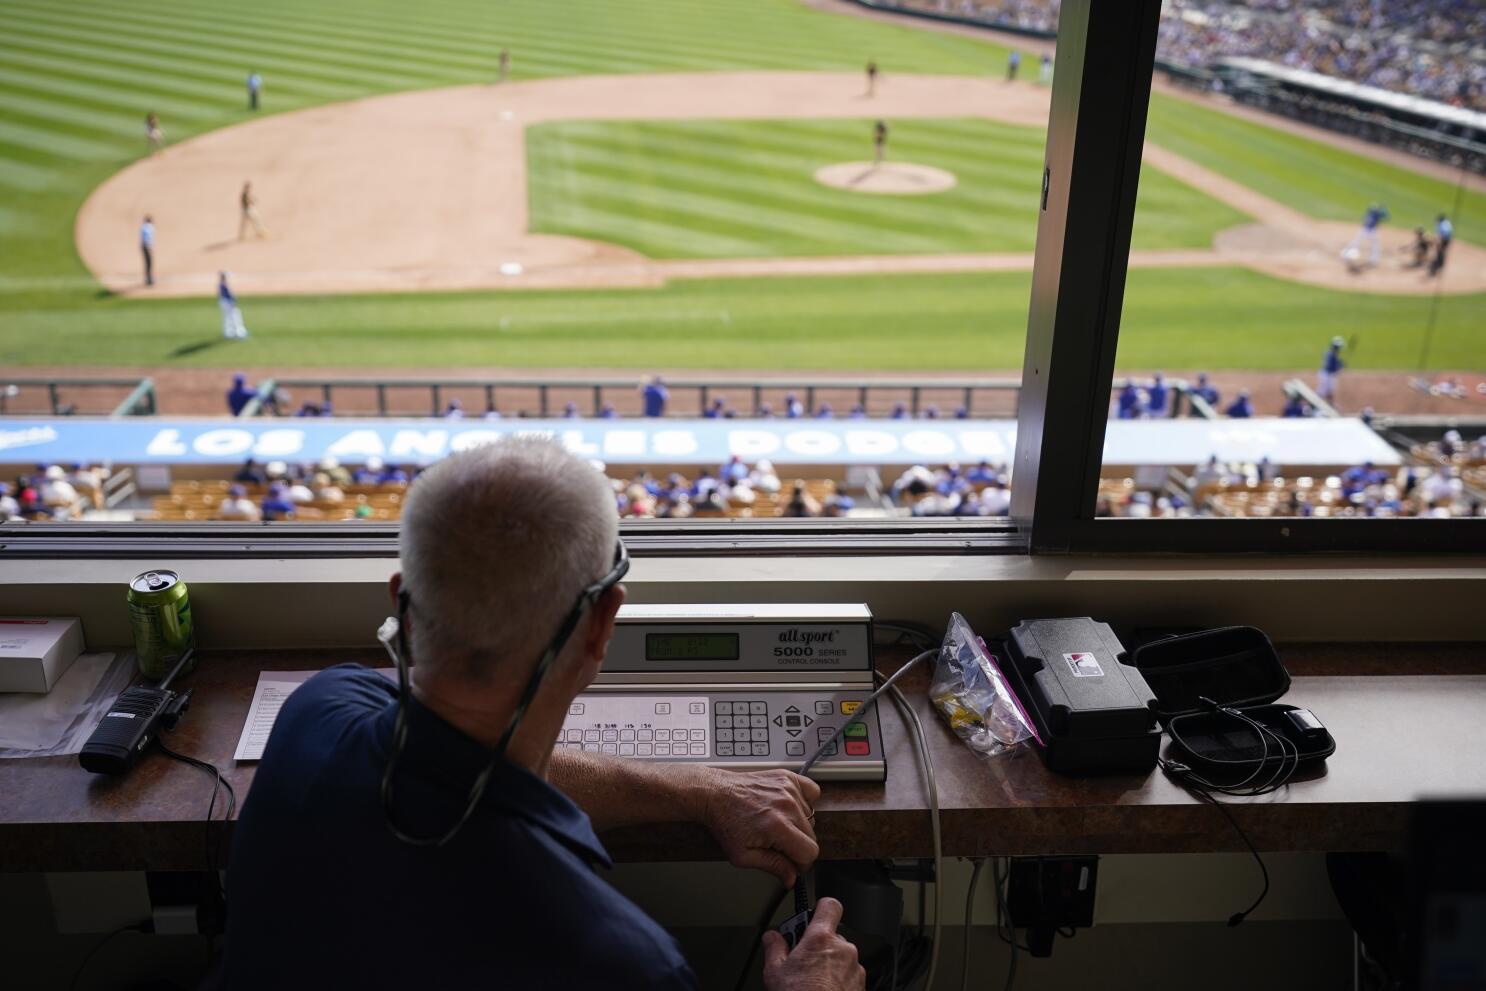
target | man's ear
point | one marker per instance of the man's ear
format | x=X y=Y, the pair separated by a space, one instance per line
x=601 y=626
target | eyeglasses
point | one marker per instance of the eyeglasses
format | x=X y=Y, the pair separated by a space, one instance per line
x=393 y=635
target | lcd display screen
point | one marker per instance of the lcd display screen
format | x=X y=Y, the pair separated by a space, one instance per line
x=691 y=646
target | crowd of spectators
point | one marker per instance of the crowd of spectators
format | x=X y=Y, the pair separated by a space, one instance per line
x=53 y=492
x=279 y=490
x=981 y=490
x=734 y=489
x=1430 y=48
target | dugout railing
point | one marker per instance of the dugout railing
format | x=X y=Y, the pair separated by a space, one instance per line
x=691 y=397
x=78 y=397
x=546 y=398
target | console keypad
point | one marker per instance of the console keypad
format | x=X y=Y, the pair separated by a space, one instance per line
x=780 y=728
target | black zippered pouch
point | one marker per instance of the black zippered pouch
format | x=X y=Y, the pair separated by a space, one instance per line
x=1233 y=667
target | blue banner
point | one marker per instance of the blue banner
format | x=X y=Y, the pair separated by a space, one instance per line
x=160 y=440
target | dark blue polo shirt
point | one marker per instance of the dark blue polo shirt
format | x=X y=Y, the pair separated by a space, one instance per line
x=321 y=895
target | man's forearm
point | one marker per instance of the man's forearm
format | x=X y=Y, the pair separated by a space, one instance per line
x=617 y=792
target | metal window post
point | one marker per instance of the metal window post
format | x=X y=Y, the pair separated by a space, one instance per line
x=1106 y=53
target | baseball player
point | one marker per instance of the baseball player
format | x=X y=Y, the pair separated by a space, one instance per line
x=871 y=77
x=249 y=217
x=1444 y=233
x=503 y=66
x=1368 y=236
x=255 y=89
x=1331 y=367
x=1045 y=71
x=154 y=134
x=879 y=142
x=1013 y=63
x=232 y=317
x=147 y=248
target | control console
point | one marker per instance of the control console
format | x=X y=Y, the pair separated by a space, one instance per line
x=745 y=687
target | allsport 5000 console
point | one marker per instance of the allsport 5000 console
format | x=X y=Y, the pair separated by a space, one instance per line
x=743 y=686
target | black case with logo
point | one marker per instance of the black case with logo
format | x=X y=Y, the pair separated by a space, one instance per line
x=1092 y=708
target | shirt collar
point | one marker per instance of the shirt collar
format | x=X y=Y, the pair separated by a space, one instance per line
x=449 y=758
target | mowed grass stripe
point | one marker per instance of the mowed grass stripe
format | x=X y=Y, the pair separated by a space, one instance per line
x=16 y=173
x=51 y=141
x=89 y=118
x=556 y=53
x=94 y=94
x=208 y=65
x=150 y=90
x=282 y=52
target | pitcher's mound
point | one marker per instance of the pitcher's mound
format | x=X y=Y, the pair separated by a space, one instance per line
x=893 y=178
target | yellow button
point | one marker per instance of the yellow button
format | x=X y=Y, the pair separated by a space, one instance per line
x=847 y=708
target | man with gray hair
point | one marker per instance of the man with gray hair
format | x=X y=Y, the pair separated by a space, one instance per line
x=429 y=835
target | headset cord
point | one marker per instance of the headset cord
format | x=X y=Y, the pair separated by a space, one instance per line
x=1289 y=762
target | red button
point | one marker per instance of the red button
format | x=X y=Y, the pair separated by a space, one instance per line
x=858 y=748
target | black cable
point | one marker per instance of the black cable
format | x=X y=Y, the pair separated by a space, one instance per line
x=758 y=936
x=1001 y=912
x=77 y=974
x=214 y=878
x=980 y=863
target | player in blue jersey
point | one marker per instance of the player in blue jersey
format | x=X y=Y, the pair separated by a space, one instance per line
x=1368 y=237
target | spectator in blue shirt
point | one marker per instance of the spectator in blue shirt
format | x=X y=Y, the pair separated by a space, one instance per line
x=1155 y=396
x=1241 y=408
x=716 y=409
x=393 y=475
x=240 y=394
x=655 y=395
x=1129 y=402
x=793 y=408
x=734 y=471
x=277 y=505
x=608 y=412
x=515 y=897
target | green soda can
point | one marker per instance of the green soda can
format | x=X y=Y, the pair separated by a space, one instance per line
x=160 y=617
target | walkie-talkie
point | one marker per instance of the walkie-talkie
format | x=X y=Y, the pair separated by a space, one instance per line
x=133 y=721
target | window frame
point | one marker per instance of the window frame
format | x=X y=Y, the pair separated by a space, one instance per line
x=1096 y=128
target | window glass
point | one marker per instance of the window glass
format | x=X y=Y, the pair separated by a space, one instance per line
x=270 y=261
x=1307 y=283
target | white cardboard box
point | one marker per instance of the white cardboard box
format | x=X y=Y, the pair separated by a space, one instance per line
x=36 y=651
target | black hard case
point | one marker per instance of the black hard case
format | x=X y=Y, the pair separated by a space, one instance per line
x=1104 y=724
x=1233 y=666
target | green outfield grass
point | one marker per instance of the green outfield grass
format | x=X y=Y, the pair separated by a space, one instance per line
x=733 y=189
x=76 y=79
x=1217 y=318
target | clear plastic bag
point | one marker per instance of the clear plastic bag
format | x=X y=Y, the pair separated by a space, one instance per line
x=972 y=695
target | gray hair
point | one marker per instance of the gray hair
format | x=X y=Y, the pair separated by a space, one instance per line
x=497 y=542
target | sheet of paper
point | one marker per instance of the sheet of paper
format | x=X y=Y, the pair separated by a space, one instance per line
x=273 y=689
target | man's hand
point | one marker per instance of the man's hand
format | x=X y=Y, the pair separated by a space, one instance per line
x=761 y=819
x=823 y=960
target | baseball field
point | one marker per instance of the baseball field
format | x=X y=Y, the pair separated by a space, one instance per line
x=642 y=192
